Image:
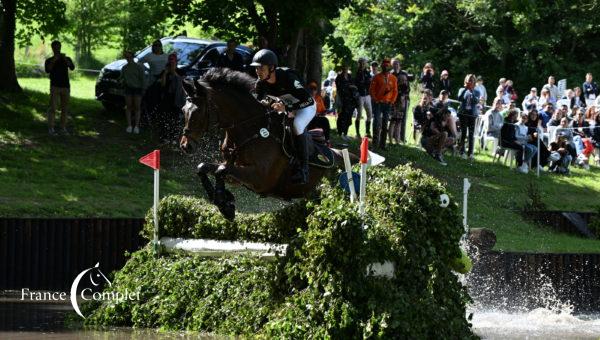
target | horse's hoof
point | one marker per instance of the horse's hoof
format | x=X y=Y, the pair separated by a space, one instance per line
x=201 y=169
x=228 y=211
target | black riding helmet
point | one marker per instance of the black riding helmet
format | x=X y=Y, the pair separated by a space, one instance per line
x=264 y=57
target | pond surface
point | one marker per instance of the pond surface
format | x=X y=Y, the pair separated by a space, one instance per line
x=35 y=320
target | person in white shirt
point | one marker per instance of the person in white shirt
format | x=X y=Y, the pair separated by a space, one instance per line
x=531 y=100
x=156 y=60
x=552 y=88
x=493 y=118
x=482 y=92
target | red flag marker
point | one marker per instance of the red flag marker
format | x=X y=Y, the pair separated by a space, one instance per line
x=152 y=159
x=364 y=150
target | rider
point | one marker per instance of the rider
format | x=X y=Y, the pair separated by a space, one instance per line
x=284 y=83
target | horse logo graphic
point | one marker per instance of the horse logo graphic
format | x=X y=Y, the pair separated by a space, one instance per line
x=95 y=275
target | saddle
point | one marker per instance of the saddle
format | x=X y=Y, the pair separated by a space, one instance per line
x=319 y=155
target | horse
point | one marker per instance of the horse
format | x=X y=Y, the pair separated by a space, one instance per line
x=256 y=145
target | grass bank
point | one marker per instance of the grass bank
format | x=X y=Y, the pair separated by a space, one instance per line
x=95 y=172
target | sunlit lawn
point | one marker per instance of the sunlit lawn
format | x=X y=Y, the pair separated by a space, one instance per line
x=95 y=172
x=498 y=194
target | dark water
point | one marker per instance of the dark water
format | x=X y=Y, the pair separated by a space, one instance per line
x=45 y=320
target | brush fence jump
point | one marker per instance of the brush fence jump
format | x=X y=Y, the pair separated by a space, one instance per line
x=267 y=251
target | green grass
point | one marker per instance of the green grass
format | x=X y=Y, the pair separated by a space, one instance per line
x=498 y=194
x=95 y=172
x=92 y=173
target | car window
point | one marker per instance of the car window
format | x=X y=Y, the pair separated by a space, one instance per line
x=186 y=52
x=211 y=57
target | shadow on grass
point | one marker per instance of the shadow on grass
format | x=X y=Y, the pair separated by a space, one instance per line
x=93 y=172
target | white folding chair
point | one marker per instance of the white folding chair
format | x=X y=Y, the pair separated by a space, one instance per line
x=487 y=139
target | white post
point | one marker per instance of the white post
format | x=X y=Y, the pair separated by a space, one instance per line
x=155 y=210
x=538 y=152
x=349 y=174
x=466 y=186
x=363 y=187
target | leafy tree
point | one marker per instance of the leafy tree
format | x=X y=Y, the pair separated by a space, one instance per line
x=35 y=17
x=522 y=40
x=144 y=21
x=92 y=23
x=294 y=29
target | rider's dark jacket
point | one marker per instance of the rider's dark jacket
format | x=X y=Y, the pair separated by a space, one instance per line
x=288 y=87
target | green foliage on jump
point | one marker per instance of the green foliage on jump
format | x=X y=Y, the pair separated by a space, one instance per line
x=322 y=288
x=190 y=217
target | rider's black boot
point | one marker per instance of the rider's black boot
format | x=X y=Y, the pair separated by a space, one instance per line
x=300 y=175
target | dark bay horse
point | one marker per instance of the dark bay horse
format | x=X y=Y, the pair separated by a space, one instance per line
x=254 y=158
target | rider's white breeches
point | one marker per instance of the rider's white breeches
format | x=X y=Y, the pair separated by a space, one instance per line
x=302 y=117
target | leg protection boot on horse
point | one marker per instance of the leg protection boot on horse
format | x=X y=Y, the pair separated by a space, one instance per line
x=300 y=175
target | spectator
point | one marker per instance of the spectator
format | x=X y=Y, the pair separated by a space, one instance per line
x=230 y=58
x=384 y=92
x=420 y=111
x=531 y=100
x=578 y=99
x=172 y=100
x=509 y=92
x=596 y=132
x=58 y=67
x=545 y=98
x=398 y=118
x=493 y=119
x=435 y=137
x=467 y=114
x=440 y=103
x=426 y=78
x=565 y=131
x=561 y=159
x=528 y=137
x=557 y=115
x=482 y=91
x=374 y=68
x=346 y=99
x=363 y=82
x=319 y=121
x=156 y=60
x=582 y=139
x=552 y=89
x=534 y=120
x=442 y=100
x=514 y=137
x=591 y=113
x=500 y=90
x=445 y=82
x=132 y=77
x=590 y=88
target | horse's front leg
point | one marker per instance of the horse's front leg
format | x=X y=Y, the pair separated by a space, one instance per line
x=223 y=198
x=203 y=170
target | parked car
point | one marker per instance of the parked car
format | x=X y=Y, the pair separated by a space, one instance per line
x=194 y=58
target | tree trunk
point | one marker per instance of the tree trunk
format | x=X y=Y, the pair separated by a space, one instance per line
x=8 y=73
x=293 y=50
x=314 y=64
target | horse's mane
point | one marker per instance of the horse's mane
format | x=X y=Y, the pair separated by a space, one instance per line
x=227 y=78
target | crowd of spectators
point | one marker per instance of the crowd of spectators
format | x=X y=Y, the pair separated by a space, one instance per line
x=566 y=124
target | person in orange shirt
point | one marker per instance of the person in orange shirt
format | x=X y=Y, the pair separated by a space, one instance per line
x=384 y=91
x=319 y=121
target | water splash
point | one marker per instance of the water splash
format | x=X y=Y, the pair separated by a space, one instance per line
x=522 y=302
